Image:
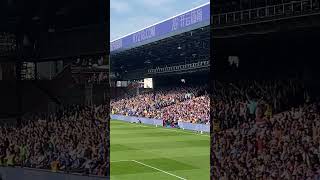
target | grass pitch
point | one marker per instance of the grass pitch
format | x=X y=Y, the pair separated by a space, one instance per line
x=142 y=152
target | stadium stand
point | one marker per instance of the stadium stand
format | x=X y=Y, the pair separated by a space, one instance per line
x=264 y=103
x=266 y=129
x=58 y=127
x=265 y=100
x=176 y=58
x=54 y=112
x=70 y=140
x=170 y=105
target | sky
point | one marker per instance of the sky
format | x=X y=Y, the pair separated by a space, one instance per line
x=128 y=16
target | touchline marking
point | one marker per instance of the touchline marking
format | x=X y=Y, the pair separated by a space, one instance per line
x=159 y=170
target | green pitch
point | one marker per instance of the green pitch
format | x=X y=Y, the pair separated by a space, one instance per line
x=142 y=152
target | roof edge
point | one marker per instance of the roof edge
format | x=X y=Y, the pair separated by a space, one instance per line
x=160 y=22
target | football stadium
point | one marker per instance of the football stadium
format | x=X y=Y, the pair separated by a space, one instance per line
x=54 y=108
x=265 y=95
x=160 y=120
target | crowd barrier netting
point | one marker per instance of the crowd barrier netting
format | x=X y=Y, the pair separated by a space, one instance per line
x=13 y=173
x=158 y=122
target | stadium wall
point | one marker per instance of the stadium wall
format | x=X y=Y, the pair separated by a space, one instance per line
x=158 y=122
x=194 y=127
x=9 y=173
x=133 y=119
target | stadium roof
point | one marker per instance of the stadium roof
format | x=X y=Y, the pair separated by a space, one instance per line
x=31 y=15
x=192 y=19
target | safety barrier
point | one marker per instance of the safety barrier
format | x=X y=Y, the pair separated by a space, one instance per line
x=158 y=122
x=13 y=173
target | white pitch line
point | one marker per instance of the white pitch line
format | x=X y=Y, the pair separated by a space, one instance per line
x=159 y=170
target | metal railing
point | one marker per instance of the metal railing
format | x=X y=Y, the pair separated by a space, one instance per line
x=178 y=68
x=292 y=9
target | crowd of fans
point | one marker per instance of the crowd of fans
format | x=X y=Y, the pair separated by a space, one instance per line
x=238 y=102
x=188 y=104
x=265 y=130
x=73 y=140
